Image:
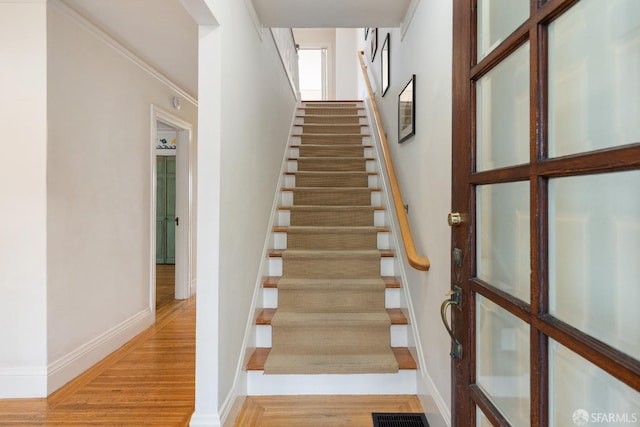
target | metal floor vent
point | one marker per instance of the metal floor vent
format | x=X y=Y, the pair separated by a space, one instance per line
x=399 y=420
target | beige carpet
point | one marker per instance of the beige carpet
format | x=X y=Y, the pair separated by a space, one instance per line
x=331 y=316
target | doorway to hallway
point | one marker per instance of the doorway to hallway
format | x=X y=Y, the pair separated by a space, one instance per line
x=312 y=70
x=171 y=254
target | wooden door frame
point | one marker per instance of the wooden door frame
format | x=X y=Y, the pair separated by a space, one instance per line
x=184 y=204
x=461 y=135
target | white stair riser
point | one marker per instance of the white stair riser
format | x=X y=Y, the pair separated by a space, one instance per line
x=263 y=336
x=259 y=384
x=387 y=266
x=398 y=336
x=280 y=240
x=392 y=298
x=286 y=198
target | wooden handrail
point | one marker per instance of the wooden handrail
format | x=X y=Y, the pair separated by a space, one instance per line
x=416 y=261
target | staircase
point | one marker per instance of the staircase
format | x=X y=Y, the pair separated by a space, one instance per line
x=331 y=321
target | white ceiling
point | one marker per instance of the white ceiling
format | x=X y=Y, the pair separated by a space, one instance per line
x=331 y=13
x=164 y=34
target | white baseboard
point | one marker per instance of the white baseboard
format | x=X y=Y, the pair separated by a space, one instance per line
x=204 y=420
x=74 y=363
x=435 y=406
x=24 y=382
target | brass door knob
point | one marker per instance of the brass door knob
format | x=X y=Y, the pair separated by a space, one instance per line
x=454 y=219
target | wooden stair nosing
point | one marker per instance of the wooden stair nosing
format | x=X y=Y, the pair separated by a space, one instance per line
x=331 y=101
x=302 y=116
x=325 y=146
x=290 y=173
x=343 y=157
x=384 y=253
x=331 y=134
x=391 y=282
x=372 y=189
x=284 y=228
x=395 y=314
x=403 y=357
x=337 y=125
x=286 y=208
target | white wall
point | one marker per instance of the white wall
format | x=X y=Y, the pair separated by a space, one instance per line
x=99 y=190
x=23 y=262
x=423 y=166
x=246 y=108
x=347 y=65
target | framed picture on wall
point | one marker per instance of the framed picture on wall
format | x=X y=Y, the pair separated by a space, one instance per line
x=374 y=43
x=407 y=111
x=384 y=65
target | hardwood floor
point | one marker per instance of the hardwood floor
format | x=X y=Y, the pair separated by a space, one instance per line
x=165 y=286
x=320 y=411
x=148 y=381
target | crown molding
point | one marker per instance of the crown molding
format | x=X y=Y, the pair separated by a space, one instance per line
x=255 y=18
x=406 y=22
x=121 y=49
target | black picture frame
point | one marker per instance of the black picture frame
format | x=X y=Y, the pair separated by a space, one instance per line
x=374 y=43
x=407 y=111
x=385 y=65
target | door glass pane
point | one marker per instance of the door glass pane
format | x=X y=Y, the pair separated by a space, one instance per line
x=594 y=256
x=503 y=237
x=497 y=19
x=502 y=360
x=583 y=394
x=481 y=419
x=594 y=89
x=502 y=113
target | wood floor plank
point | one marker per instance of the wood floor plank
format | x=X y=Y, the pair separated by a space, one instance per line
x=312 y=411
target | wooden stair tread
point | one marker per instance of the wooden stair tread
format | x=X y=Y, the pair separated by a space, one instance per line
x=377 y=189
x=331 y=134
x=330 y=172
x=332 y=101
x=284 y=229
x=402 y=354
x=384 y=253
x=343 y=157
x=391 y=282
x=331 y=146
x=328 y=116
x=286 y=208
x=331 y=124
x=395 y=314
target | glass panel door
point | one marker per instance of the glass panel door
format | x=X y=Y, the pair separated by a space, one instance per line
x=546 y=183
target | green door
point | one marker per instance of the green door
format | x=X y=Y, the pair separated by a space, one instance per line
x=166 y=210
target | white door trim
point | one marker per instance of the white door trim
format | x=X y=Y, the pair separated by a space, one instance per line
x=184 y=203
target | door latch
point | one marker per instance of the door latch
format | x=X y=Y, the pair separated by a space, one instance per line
x=455 y=296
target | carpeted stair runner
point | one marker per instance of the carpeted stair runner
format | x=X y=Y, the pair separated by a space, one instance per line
x=331 y=316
